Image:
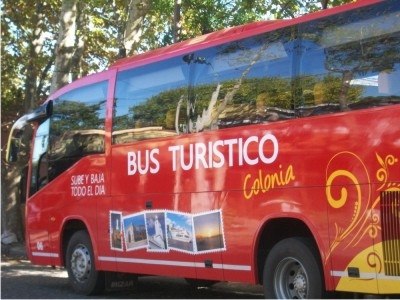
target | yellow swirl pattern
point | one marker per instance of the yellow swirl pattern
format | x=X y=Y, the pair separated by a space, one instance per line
x=365 y=224
x=356 y=219
x=338 y=203
x=382 y=174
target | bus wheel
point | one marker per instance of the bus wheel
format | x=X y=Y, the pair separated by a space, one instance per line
x=82 y=273
x=292 y=271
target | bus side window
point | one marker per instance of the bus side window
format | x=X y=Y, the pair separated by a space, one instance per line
x=76 y=127
x=243 y=83
x=150 y=102
x=351 y=67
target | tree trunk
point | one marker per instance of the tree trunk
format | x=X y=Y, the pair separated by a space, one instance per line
x=13 y=209
x=177 y=20
x=137 y=11
x=324 y=4
x=35 y=47
x=79 y=42
x=65 y=48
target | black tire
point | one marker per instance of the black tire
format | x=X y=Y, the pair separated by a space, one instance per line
x=80 y=265
x=292 y=271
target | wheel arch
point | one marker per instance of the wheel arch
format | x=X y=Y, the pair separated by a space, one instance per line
x=71 y=226
x=275 y=230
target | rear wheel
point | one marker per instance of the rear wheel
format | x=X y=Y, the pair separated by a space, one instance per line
x=292 y=271
x=82 y=273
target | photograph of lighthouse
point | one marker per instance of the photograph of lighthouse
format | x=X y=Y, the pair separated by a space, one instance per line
x=156 y=231
x=116 y=230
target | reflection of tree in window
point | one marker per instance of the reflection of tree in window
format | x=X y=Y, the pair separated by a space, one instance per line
x=239 y=86
x=353 y=49
x=213 y=88
x=146 y=99
x=77 y=126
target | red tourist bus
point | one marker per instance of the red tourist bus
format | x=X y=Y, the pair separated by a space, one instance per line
x=267 y=153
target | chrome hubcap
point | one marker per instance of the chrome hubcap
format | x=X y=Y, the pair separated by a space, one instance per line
x=290 y=281
x=81 y=263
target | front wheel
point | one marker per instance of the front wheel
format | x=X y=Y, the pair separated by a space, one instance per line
x=80 y=265
x=292 y=271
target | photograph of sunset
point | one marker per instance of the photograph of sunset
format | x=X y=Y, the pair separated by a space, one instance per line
x=208 y=231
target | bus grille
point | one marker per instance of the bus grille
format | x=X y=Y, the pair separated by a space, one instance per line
x=390 y=216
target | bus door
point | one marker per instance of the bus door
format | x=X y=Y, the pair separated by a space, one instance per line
x=38 y=232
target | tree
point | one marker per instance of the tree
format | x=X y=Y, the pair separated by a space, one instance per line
x=293 y=8
x=26 y=41
x=202 y=17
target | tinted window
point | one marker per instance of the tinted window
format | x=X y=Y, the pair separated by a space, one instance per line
x=351 y=61
x=39 y=171
x=244 y=82
x=238 y=83
x=77 y=126
x=146 y=101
